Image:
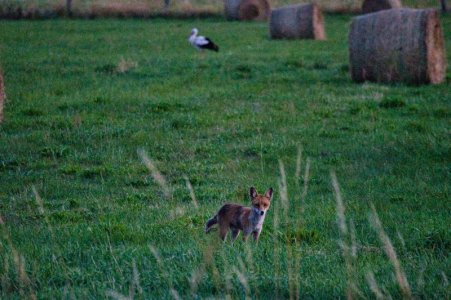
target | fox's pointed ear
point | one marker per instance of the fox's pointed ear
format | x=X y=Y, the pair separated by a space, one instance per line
x=253 y=192
x=268 y=193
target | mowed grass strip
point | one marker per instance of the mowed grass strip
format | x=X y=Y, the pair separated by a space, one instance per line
x=84 y=217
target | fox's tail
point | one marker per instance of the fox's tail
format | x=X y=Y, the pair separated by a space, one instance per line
x=210 y=223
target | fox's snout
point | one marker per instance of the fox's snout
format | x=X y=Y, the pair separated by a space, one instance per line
x=258 y=211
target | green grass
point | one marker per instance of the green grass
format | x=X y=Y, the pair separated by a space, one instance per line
x=74 y=123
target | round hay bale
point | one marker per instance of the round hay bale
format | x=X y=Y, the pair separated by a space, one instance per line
x=370 y=6
x=246 y=9
x=303 y=21
x=254 y=10
x=232 y=9
x=2 y=95
x=397 y=45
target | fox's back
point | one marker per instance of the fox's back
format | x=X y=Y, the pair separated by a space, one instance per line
x=234 y=214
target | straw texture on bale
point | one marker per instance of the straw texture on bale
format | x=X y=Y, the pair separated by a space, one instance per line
x=231 y=9
x=246 y=9
x=2 y=95
x=303 y=21
x=254 y=10
x=397 y=45
x=370 y=6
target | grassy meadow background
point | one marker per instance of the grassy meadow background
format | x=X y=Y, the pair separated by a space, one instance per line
x=83 y=217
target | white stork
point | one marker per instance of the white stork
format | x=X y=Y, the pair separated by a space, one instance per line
x=201 y=42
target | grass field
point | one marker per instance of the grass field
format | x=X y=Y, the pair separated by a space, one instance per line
x=84 y=218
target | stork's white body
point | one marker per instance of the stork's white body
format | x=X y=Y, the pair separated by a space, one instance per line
x=201 y=42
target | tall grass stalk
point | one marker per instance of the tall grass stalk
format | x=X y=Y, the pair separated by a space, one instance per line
x=391 y=254
x=401 y=239
x=227 y=277
x=445 y=284
x=276 y=249
x=59 y=255
x=306 y=182
x=341 y=219
x=353 y=239
x=297 y=173
x=251 y=269
x=163 y=270
x=134 y=286
x=24 y=283
x=191 y=191
x=175 y=294
x=420 y=279
x=243 y=280
x=156 y=175
x=4 y=277
x=292 y=272
x=283 y=189
x=262 y=167
x=110 y=248
x=374 y=287
x=305 y=179
x=344 y=241
x=209 y=265
x=300 y=216
x=117 y=296
x=195 y=279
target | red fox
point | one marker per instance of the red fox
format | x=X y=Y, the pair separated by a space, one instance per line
x=237 y=217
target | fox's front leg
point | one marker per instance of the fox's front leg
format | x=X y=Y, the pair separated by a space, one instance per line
x=223 y=228
x=256 y=235
x=235 y=233
x=245 y=236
